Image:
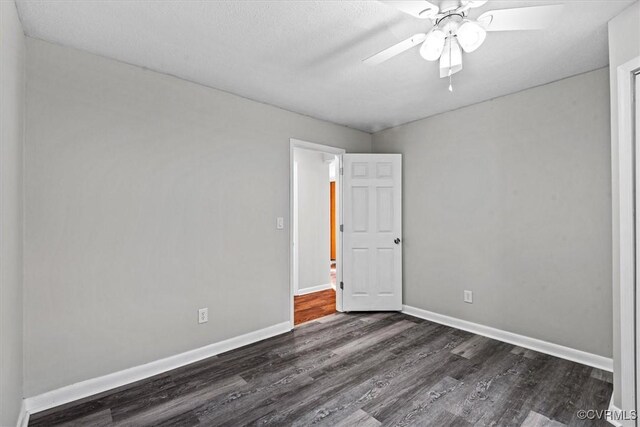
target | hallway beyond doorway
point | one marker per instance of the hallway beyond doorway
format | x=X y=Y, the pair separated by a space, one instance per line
x=314 y=305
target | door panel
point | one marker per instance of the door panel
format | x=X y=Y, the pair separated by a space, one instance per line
x=384 y=208
x=385 y=265
x=372 y=261
x=360 y=209
x=360 y=276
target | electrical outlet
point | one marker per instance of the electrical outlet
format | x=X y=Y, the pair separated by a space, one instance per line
x=203 y=315
x=279 y=223
x=468 y=297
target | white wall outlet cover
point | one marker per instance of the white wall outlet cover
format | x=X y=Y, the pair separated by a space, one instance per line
x=279 y=223
x=468 y=296
x=203 y=315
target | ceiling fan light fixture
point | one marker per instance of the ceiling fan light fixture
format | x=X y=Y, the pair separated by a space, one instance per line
x=471 y=35
x=433 y=45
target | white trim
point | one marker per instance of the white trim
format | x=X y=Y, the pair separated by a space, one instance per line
x=313 y=289
x=295 y=236
x=339 y=223
x=627 y=263
x=613 y=409
x=23 y=416
x=556 y=350
x=297 y=143
x=107 y=382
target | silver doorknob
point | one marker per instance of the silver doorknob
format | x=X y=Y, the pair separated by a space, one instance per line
x=396 y=241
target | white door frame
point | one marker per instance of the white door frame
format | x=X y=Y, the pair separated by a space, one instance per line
x=293 y=144
x=629 y=165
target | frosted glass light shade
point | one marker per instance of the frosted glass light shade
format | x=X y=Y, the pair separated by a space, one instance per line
x=471 y=35
x=433 y=45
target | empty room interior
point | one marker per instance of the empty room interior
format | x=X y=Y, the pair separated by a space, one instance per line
x=329 y=213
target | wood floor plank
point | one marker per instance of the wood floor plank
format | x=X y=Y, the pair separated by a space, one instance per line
x=525 y=352
x=595 y=394
x=330 y=318
x=96 y=419
x=372 y=317
x=188 y=419
x=306 y=399
x=366 y=369
x=601 y=375
x=338 y=377
x=515 y=406
x=545 y=392
x=102 y=401
x=371 y=339
x=139 y=413
x=571 y=378
x=312 y=355
x=472 y=346
x=488 y=382
x=423 y=369
x=338 y=333
x=417 y=411
x=243 y=406
x=359 y=419
x=401 y=370
x=434 y=361
x=538 y=420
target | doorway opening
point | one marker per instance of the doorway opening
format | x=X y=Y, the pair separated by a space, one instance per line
x=315 y=236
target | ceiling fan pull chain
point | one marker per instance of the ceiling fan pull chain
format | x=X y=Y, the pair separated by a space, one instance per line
x=450 y=73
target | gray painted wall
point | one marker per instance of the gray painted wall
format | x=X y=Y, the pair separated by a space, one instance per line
x=314 y=238
x=624 y=45
x=148 y=197
x=12 y=85
x=510 y=198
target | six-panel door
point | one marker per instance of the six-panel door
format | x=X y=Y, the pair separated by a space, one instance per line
x=372 y=246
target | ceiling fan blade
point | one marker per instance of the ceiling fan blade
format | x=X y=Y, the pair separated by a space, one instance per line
x=522 y=18
x=396 y=49
x=418 y=8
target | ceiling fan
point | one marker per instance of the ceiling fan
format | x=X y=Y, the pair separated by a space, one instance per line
x=452 y=31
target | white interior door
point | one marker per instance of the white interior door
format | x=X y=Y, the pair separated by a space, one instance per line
x=372 y=232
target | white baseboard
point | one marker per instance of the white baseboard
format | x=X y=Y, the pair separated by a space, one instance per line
x=23 y=417
x=313 y=289
x=613 y=409
x=556 y=350
x=97 y=385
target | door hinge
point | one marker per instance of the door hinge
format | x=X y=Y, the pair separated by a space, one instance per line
x=341 y=285
x=341 y=170
x=341 y=228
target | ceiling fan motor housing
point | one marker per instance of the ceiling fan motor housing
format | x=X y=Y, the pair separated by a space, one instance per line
x=450 y=23
x=449 y=5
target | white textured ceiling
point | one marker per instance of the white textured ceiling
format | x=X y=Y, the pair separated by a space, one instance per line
x=305 y=56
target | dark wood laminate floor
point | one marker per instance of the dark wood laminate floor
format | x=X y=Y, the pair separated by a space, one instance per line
x=313 y=306
x=356 y=369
